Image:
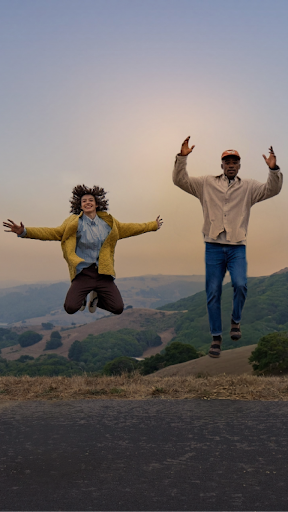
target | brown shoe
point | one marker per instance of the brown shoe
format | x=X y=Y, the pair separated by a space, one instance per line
x=235 y=332
x=215 y=349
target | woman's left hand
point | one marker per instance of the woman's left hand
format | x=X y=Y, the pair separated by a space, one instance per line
x=159 y=222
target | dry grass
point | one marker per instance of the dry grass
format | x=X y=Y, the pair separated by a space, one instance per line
x=242 y=387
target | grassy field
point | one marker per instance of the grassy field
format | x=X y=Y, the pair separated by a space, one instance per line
x=136 y=387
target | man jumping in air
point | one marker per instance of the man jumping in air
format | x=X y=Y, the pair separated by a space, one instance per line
x=88 y=239
x=226 y=202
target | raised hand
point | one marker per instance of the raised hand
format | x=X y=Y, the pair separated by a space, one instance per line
x=13 y=228
x=185 y=150
x=271 y=160
x=159 y=222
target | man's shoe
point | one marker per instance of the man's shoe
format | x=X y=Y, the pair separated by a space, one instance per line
x=215 y=349
x=235 y=332
x=83 y=305
x=93 y=300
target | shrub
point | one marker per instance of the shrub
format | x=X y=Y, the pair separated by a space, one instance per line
x=56 y=335
x=271 y=353
x=23 y=359
x=120 y=365
x=28 y=338
x=53 y=343
x=47 y=326
x=173 y=354
x=152 y=364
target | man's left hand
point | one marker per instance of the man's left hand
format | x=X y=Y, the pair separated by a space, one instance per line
x=271 y=160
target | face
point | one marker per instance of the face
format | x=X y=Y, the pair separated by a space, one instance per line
x=231 y=166
x=88 y=204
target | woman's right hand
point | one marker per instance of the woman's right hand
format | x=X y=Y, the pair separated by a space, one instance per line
x=13 y=228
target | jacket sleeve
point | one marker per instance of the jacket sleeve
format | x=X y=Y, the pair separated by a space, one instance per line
x=192 y=185
x=272 y=187
x=132 y=229
x=46 y=233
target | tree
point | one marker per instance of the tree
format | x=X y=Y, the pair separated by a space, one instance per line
x=271 y=353
x=28 y=338
x=8 y=338
x=148 y=337
x=56 y=334
x=179 y=353
x=120 y=365
x=152 y=364
x=75 y=351
x=173 y=354
x=53 y=343
x=23 y=359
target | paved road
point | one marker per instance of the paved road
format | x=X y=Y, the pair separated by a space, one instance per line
x=144 y=455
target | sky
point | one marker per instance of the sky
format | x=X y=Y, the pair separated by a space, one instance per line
x=103 y=92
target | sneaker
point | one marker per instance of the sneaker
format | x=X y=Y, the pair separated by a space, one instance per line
x=235 y=332
x=215 y=349
x=83 y=305
x=93 y=299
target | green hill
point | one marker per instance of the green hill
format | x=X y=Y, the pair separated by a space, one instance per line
x=265 y=311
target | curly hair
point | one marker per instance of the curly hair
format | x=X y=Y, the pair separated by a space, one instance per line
x=81 y=190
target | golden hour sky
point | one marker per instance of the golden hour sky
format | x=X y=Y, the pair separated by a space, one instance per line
x=104 y=91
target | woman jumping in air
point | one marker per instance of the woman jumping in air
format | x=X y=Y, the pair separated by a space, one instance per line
x=88 y=239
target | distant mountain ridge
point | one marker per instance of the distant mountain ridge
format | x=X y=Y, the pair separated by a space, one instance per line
x=42 y=302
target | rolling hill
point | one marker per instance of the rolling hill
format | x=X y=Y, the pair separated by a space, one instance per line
x=265 y=311
x=231 y=362
x=136 y=318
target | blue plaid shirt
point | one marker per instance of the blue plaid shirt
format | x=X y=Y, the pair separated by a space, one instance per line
x=90 y=237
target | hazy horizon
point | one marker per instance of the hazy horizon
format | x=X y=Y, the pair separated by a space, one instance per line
x=12 y=283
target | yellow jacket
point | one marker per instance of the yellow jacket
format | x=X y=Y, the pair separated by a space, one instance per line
x=66 y=234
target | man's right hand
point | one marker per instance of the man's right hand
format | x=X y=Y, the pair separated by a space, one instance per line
x=185 y=150
x=13 y=228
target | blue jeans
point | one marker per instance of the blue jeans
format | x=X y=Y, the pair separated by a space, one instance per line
x=219 y=258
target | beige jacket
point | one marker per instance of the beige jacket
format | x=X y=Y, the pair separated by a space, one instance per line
x=225 y=207
x=66 y=234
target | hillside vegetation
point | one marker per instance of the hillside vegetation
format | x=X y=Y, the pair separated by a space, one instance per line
x=8 y=338
x=265 y=311
x=96 y=351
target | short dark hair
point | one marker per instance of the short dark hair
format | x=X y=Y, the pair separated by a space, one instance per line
x=81 y=190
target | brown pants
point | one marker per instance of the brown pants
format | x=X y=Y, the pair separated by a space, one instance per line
x=109 y=297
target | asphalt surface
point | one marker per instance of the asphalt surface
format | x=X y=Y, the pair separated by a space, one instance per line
x=144 y=455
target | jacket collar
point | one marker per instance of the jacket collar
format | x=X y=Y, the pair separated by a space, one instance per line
x=103 y=215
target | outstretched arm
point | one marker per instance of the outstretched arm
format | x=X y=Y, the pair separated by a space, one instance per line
x=133 y=229
x=36 y=233
x=273 y=185
x=192 y=185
